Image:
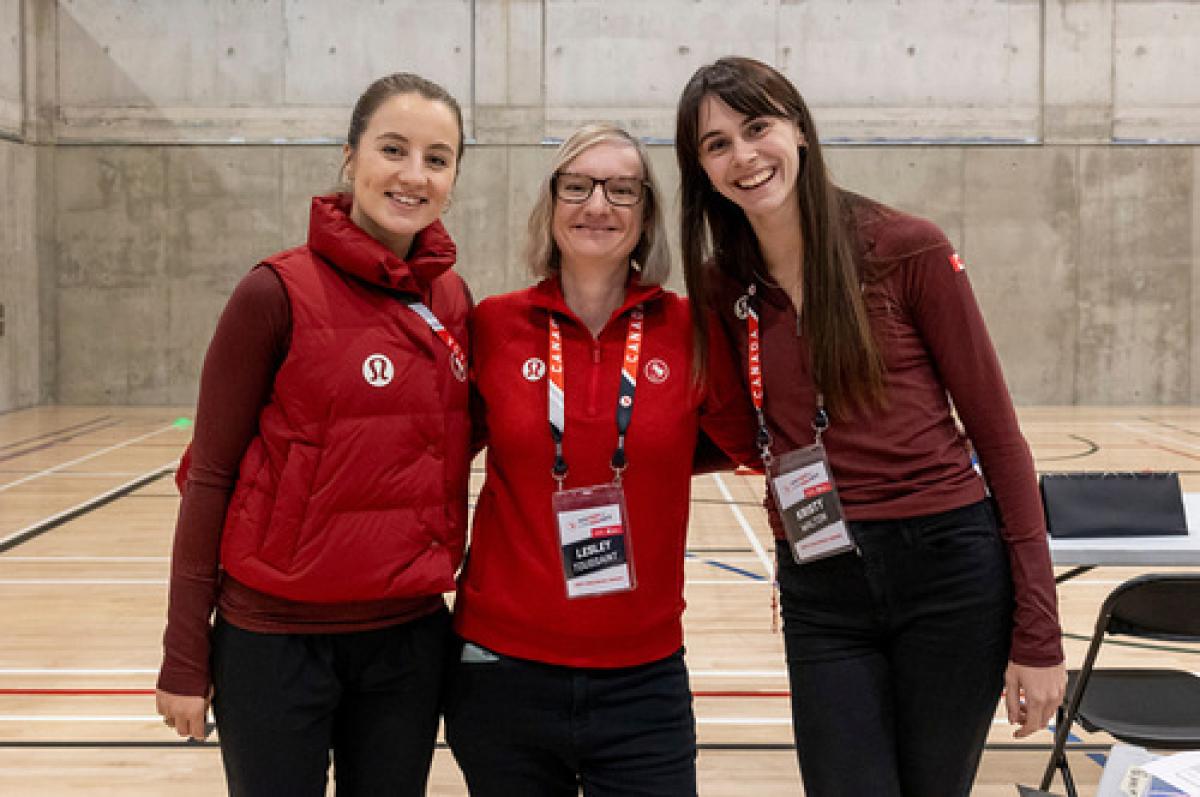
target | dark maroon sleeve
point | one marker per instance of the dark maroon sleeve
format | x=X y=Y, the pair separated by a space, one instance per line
x=952 y=326
x=249 y=344
x=727 y=414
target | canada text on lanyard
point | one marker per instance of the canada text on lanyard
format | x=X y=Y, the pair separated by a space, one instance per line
x=458 y=359
x=800 y=480
x=592 y=521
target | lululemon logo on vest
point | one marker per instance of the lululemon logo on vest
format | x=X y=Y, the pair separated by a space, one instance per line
x=657 y=371
x=533 y=369
x=378 y=370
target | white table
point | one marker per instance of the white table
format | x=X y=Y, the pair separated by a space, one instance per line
x=1179 y=550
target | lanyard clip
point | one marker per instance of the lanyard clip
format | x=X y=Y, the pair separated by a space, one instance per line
x=763 y=439
x=619 y=463
x=820 y=420
x=559 y=472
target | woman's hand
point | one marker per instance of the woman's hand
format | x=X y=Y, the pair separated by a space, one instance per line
x=185 y=713
x=1032 y=695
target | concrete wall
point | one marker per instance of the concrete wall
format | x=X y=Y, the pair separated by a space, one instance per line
x=1054 y=141
x=20 y=316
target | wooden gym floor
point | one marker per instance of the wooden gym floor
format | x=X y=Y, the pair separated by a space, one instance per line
x=87 y=507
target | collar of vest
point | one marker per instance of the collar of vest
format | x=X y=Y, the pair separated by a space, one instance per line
x=548 y=295
x=333 y=236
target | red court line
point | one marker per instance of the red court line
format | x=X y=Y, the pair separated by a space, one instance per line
x=146 y=692
x=741 y=693
x=1161 y=447
x=77 y=692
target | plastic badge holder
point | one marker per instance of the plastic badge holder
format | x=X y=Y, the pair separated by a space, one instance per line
x=594 y=539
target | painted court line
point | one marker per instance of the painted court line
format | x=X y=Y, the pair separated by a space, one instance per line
x=86 y=457
x=754 y=582
x=745 y=524
x=91 y=582
x=52 y=559
x=72 y=512
x=732 y=673
x=78 y=671
x=1148 y=433
x=78 y=718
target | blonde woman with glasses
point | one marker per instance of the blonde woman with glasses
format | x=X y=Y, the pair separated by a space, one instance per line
x=572 y=671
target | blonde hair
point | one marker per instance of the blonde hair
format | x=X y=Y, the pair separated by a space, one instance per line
x=652 y=253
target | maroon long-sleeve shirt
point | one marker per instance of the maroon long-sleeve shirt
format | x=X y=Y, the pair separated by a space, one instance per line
x=909 y=458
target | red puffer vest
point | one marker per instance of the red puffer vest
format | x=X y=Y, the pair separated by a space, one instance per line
x=356 y=486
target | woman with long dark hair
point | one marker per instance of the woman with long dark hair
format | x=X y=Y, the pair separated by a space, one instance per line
x=913 y=588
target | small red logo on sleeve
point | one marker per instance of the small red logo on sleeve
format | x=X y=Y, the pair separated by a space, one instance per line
x=957 y=263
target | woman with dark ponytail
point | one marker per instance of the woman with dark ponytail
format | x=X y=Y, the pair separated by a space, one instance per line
x=324 y=510
x=914 y=589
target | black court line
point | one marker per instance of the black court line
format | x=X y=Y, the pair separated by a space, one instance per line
x=1093 y=447
x=36 y=530
x=54 y=432
x=723 y=502
x=51 y=439
x=735 y=747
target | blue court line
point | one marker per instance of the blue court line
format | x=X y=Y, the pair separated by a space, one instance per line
x=729 y=568
x=1099 y=758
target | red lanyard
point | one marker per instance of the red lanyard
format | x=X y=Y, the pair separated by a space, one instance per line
x=458 y=359
x=755 y=379
x=556 y=386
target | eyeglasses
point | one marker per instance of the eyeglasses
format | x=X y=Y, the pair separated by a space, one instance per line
x=620 y=191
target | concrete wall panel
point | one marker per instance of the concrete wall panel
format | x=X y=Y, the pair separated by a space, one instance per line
x=1156 y=60
x=1020 y=245
x=125 y=53
x=20 y=365
x=112 y=231
x=916 y=68
x=333 y=54
x=1135 y=265
x=482 y=230
x=1078 y=73
x=1084 y=255
x=11 y=111
x=224 y=214
x=509 y=83
x=113 y=344
x=111 y=217
x=628 y=60
x=927 y=181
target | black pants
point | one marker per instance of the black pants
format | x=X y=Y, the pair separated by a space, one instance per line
x=286 y=703
x=896 y=656
x=537 y=730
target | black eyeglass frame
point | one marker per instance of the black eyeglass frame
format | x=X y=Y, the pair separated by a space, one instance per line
x=603 y=183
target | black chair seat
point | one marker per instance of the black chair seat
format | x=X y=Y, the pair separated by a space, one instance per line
x=1150 y=708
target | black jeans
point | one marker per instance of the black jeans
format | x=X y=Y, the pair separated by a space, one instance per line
x=896 y=656
x=538 y=730
x=285 y=703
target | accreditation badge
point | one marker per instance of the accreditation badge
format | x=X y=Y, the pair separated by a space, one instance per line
x=594 y=540
x=808 y=503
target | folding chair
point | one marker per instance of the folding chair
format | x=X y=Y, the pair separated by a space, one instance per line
x=1149 y=707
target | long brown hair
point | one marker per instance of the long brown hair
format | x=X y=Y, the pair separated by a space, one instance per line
x=847 y=366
